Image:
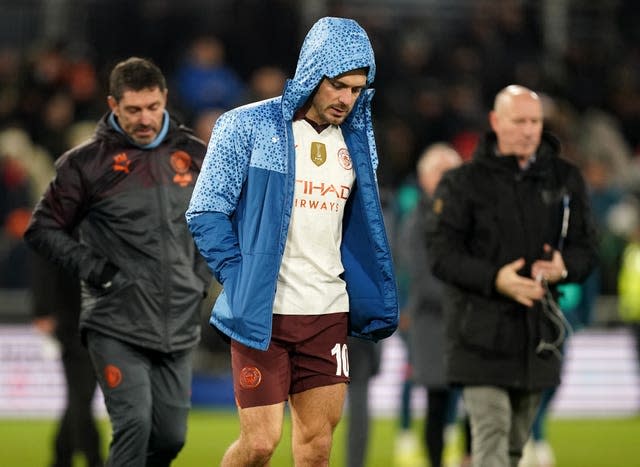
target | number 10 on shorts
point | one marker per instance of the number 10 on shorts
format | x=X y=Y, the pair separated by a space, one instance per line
x=341 y=354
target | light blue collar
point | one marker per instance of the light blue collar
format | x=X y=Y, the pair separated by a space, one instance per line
x=153 y=144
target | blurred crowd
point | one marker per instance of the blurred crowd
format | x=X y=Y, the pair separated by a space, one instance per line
x=436 y=78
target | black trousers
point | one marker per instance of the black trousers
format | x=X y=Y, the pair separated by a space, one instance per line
x=364 y=363
x=77 y=430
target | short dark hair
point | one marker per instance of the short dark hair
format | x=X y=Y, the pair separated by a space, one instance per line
x=135 y=74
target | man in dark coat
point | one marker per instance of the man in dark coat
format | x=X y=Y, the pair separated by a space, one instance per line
x=506 y=229
x=125 y=192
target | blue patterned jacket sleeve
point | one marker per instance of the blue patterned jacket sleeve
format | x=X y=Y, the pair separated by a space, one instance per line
x=216 y=194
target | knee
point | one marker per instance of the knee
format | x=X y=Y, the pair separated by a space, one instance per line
x=167 y=439
x=262 y=447
x=133 y=424
x=313 y=450
x=166 y=444
x=321 y=444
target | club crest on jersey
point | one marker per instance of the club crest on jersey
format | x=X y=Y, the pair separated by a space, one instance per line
x=345 y=159
x=438 y=205
x=318 y=153
x=180 y=162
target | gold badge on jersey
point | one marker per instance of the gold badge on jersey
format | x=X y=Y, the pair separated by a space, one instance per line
x=437 y=206
x=318 y=153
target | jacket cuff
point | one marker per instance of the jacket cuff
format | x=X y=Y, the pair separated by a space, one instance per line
x=100 y=280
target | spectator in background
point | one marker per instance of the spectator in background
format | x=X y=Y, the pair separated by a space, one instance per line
x=10 y=82
x=204 y=122
x=204 y=80
x=610 y=173
x=55 y=118
x=624 y=219
x=32 y=161
x=125 y=192
x=424 y=307
x=84 y=87
x=15 y=209
x=506 y=230
x=407 y=449
x=25 y=171
x=265 y=82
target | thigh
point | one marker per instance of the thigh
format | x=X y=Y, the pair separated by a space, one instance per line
x=123 y=372
x=524 y=406
x=320 y=355
x=261 y=423
x=171 y=378
x=260 y=378
x=489 y=410
x=487 y=402
x=79 y=374
x=316 y=411
x=437 y=405
x=171 y=390
x=124 y=375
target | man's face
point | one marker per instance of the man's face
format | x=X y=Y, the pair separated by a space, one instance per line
x=335 y=97
x=140 y=113
x=518 y=126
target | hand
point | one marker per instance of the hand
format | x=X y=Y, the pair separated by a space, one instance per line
x=521 y=289
x=552 y=270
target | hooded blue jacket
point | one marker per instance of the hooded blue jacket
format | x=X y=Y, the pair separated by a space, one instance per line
x=241 y=205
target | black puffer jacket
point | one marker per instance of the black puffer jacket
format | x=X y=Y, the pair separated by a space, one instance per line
x=488 y=213
x=127 y=204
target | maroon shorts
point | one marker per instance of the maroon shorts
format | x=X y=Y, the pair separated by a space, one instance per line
x=305 y=352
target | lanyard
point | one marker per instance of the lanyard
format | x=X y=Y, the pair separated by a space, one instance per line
x=566 y=211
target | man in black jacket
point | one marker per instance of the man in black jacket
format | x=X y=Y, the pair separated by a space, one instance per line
x=114 y=217
x=506 y=229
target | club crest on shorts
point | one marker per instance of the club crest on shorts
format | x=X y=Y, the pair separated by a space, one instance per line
x=250 y=377
x=112 y=376
x=345 y=159
x=318 y=153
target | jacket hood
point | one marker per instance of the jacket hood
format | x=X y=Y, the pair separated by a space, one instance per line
x=333 y=46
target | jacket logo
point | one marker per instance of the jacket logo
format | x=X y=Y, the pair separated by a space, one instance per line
x=345 y=159
x=180 y=162
x=112 y=376
x=250 y=377
x=318 y=153
x=121 y=163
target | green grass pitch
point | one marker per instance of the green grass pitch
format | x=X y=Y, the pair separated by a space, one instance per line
x=577 y=443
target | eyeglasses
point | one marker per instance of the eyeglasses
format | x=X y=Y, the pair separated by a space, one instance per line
x=552 y=311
